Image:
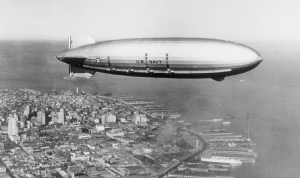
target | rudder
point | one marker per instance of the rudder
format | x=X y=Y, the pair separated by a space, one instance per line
x=75 y=42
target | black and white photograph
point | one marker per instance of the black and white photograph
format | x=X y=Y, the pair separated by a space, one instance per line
x=149 y=89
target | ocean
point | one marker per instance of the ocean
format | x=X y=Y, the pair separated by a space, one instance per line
x=269 y=94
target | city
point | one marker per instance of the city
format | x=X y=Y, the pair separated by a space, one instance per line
x=66 y=134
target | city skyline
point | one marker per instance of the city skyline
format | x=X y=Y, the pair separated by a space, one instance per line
x=131 y=130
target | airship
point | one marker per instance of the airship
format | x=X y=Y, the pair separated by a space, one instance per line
x=159 y=58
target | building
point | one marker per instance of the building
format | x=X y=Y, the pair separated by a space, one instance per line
x=103 y=119
x=22 y=124
x=115 y=132
x=100 y=128
x=39 y=117
x=22 y=121
x=96 y=121
x=43 y=118
x=84 y=136
x=23 y=118
x=48 y=118
x=72 y=114
x=139 y=118
x=15 y=138
x=61 y=116
x=4 y=126
x=28 y=124
x=108 y=118
x=27 y=110
x=111 y=118
x=193 y=141
x=12 y=126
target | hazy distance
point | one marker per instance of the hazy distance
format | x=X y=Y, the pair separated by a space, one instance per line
x=232 y=20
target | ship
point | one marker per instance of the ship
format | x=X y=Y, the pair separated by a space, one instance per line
x=220 y=159
x=242 y=149
x=227 y=152
x=174 y=116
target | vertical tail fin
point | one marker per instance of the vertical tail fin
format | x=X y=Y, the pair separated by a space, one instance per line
x=70 y=42
x=75 y=42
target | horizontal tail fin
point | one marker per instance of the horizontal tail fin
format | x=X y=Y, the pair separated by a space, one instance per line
x=75 y=42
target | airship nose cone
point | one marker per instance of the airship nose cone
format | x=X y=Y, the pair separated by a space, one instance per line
x=256 y=57
x=248 y=59
x=259 y=59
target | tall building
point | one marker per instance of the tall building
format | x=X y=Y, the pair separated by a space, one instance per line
x=33 y=120
x=48 y=117
x=61 y=116
x=55 y=119
x=27 y=110
x=22 y=124
x=12 y=126
x=103 y=119
x=22 y=121
x=43 y=118
x=28 y=124
x=39 y=117
x=23 y=118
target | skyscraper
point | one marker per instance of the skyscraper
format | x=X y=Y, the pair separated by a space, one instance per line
x=61 y=116
x=103 y=119
x=27 y=110
x=39 y=117
x=43 y=118
x=23 y=118
x=48 y=117
x=12 y=126
x=22 y=121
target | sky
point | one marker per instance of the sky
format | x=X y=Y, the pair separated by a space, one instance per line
x=118 y=19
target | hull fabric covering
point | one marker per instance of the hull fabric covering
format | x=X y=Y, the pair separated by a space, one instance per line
x=164 y=57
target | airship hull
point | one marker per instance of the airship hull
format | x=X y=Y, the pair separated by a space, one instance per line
x=165 y=58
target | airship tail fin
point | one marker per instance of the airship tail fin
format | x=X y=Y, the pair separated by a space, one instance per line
x=77 y=41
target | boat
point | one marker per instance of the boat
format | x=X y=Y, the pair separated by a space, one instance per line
x=174 y=116
x=220 y=159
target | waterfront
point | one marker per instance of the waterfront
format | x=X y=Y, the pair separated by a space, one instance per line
x=268 y=94
x=157 y=145
x=98 y=132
